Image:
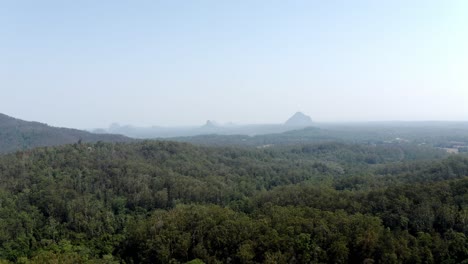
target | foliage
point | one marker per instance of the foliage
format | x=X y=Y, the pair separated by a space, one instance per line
x=168 y=202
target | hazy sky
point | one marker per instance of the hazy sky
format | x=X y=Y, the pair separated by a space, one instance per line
x=87 y=64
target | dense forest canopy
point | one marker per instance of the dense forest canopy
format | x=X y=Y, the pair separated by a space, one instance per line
x=169 y=202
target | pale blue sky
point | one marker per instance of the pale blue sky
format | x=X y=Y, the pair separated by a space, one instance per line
x=86 y=64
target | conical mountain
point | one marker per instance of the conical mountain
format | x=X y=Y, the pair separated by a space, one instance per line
x=210 y=124
x=299 y=119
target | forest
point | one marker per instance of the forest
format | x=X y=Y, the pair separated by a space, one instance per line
x=170 y=202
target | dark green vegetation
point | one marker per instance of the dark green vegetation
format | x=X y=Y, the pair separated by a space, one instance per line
x=16 y=134
x=167 y=202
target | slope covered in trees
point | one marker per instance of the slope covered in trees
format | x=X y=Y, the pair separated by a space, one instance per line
x=16 y=134
x=167 y=202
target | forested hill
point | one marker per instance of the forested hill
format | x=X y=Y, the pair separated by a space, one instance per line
x=16 y=134
x=168 y=202
x=434 y=134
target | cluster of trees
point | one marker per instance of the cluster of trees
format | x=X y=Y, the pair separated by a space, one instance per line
x=168 y=202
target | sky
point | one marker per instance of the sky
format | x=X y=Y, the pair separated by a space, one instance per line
x=86 y=64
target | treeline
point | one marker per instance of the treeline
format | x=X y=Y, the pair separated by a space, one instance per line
x=167 y=202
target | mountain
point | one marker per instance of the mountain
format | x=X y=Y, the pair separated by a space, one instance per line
x=299 y=120
x=210 y=127
x=16 y=134
x=210 y=124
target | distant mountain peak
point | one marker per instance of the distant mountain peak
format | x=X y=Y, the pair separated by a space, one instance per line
x=210 y=124
x=299 y=119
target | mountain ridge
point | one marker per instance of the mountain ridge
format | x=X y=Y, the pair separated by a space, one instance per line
x=17 y=134
x=298 y=120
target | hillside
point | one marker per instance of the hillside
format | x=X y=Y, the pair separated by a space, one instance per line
x=443 y=135
x=16 y=134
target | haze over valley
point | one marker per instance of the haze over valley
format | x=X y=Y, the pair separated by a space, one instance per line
x=298 y=120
